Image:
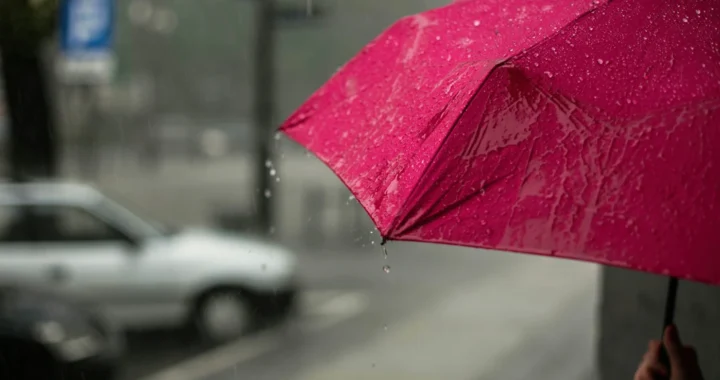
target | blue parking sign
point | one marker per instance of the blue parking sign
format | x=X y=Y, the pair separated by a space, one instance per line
x=86 y=27
x=86 y=36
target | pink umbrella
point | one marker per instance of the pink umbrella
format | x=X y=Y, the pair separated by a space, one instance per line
x=576 y=129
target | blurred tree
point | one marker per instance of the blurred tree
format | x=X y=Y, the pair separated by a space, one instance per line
x=25 y=25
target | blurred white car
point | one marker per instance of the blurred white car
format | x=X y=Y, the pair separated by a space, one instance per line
x=72 y=240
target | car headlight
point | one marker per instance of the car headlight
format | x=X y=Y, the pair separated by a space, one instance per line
x=71 y=344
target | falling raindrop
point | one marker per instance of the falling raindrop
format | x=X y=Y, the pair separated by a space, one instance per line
x=273 y=172
x=385 y=255
x=277 y=136
x=476 y=22
x=268 y=193
x=268 y=164
x=386 y=268
x=277 y=179
x=351 y=198
x=385 y=328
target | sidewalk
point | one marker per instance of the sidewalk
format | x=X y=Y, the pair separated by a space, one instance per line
x=474 y=333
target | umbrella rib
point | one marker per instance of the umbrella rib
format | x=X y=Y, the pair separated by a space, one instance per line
x=431 y=218
x=399 y=216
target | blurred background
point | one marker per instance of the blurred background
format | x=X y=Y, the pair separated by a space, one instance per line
x=174 y=119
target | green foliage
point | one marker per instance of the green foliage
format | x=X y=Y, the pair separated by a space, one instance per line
x=25 y=24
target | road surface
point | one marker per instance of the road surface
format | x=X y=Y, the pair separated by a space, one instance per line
x=439 y=313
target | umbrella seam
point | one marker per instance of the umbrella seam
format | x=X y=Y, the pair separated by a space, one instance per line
x=405 y=204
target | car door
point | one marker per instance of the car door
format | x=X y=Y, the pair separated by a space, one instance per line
x=81 y=254
x=96 y=259
x=18 y=262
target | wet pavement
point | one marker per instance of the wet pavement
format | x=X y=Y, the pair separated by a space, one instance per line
x=440 y=312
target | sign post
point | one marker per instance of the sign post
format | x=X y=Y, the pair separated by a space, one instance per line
x=86 y=33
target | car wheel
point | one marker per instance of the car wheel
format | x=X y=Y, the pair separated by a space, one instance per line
x=222 y=316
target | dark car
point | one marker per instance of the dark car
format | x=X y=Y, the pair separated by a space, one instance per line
x=43 y=337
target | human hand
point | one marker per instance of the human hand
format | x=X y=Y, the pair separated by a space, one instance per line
x=683 y=360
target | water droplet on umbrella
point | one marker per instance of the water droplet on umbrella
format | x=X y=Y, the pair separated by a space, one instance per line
x=685 y=19
x=600 y=61
x=476 y=22
x=268 y=193
x=549 y=74
x=386 y=268
x=697 y=11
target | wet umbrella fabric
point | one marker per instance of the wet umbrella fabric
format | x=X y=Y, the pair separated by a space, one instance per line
x=583 y=130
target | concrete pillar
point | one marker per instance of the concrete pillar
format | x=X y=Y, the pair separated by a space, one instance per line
x=631 y=313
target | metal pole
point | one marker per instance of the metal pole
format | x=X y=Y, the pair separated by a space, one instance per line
x=263 y=109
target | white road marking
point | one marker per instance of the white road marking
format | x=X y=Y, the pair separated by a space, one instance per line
x=320 y=310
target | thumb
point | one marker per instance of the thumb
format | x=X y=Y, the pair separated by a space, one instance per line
x=673 y=345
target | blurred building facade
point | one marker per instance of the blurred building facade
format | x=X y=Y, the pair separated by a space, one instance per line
x=186 y=66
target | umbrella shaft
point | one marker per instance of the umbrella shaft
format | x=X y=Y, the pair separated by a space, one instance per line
x=669 y=316
x=670 y=302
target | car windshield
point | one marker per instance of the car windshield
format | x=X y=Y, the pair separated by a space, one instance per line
x=129 y=221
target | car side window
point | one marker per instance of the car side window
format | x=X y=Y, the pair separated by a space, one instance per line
x=70 y=224
x=15 y=224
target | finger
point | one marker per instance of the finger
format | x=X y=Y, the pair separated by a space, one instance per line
x=653 y=352
x=651 y=365
x=689 y=349
x=647 y=373
x=674 y=346
x=690 y=354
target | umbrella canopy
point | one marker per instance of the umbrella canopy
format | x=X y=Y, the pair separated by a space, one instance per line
x=576 y=129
